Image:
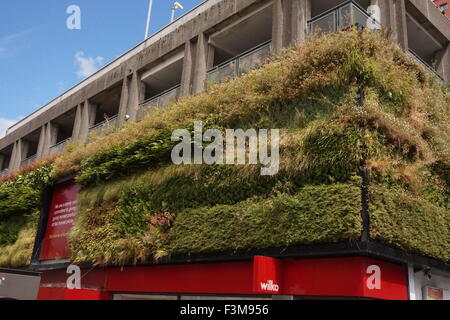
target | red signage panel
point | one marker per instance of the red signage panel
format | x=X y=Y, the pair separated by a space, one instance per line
x=61 y=219
x=266 y=275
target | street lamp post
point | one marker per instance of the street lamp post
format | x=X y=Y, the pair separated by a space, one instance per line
x=176 y=6
x=149 y=14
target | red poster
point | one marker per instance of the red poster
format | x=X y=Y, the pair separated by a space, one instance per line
x=61 y=218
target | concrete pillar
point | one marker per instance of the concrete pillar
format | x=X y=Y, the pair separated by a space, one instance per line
x=186 y=76
x=89 y=112
x=2 y=161
x=393 y=17
x=300 y=14
x=289 y=24
x=443 y=63
x=136 y=95
x=277 y=26
x=14 y=156
x=41 y=144
x=201 y=64
x=51 y=136
x=123 y=106
x=385 y=9
x=24 y=146
x=78 y=123
x=19 y=153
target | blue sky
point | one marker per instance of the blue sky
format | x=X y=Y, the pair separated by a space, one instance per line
x=41 y=58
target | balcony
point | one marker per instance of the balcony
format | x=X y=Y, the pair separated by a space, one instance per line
x=341 y=18
x=28 y=161
x=161 y=100
x=59 y=147
x=427 y=67
x=249 y=60
x=106 y=126
x=4 y=173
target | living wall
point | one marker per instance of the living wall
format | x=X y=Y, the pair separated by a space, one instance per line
x=343 y=102
x=20 y=202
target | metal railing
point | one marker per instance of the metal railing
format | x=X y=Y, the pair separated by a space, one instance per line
x=161 y=100
x=4 y=173
x=342 y=17
x=249 y=60
x=105 y=126
x=59 y=147
x=28 y=161
x=426 y=65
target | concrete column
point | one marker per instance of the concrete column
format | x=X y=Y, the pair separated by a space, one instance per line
x=201 y=63
x=51 y=136
x=289 y=23
x=123 y=106
x=277 y=26
x=443 y=63
x=300 y=14
x=2 y=161
x=18 y=155
x=136 y=94
x=14 y=155
x=385 y=12
x=394 y=17
x=24 y=146
x=89 y=112
x=78 y=123
x=41 y=144
x=186 y=76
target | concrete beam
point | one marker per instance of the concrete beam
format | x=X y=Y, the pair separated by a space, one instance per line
x=432 y=16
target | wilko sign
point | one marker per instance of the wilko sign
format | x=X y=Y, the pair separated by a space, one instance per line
x=430 y=293
x=266 y=275
x=60 y=221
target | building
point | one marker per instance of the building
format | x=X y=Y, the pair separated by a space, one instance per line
x=443 y=5
x=216 y=40
x=182 y=57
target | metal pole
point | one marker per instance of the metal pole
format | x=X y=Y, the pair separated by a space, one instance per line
x=149 y=14
x=173 y=15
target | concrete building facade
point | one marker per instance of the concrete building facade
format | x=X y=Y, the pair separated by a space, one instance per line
x=216 y=40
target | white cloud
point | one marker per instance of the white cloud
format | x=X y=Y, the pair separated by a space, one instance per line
x=5 y=124
x=87 y=65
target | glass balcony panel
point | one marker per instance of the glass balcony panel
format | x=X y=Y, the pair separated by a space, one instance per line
x=222 y=73
x=325 y=24
x=28 y=161
x=346 y=17
x=254 y=59
x=59 y=147
x=169 y=97
x=106 y=126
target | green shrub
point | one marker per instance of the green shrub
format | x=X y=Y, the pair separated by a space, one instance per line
x=409 y=222
x=316 y=214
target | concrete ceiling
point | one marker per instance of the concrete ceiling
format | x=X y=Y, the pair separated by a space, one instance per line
x=245 y=34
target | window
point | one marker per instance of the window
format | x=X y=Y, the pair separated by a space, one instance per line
x=443 y=7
